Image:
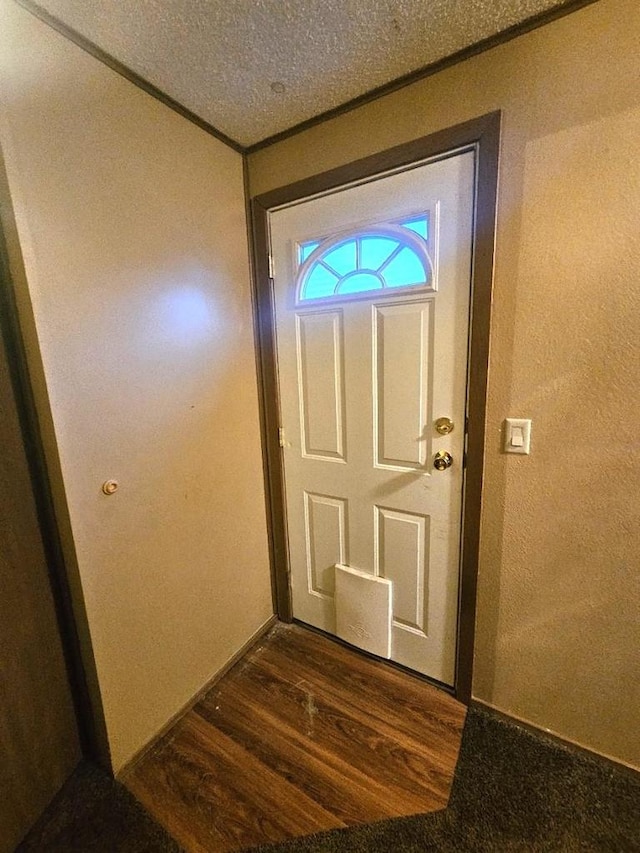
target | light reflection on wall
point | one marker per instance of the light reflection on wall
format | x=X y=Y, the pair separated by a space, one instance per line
x=186 y=315
x=181 y=313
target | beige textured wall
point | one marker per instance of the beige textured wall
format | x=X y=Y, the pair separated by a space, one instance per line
x=133 y=232
x=558 y=632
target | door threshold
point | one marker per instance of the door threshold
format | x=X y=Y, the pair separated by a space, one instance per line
x=390 y=663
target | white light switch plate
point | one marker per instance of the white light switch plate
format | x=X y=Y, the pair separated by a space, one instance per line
x=517 y=435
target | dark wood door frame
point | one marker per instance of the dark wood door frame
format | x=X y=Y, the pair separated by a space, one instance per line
x=482 y=135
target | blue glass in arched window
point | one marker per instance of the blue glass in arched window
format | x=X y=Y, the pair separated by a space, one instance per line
x=306 y=249
x=379 y=258
x=419 y=224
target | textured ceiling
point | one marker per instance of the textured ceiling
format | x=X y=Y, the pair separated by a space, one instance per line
x=253 y=68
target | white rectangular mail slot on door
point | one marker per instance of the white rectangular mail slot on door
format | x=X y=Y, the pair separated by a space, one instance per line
x=363 y=605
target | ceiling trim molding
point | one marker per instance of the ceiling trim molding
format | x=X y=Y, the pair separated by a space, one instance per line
x=117 y=66
x=488 y=43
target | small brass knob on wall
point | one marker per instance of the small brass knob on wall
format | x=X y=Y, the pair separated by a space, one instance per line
x=442 y=460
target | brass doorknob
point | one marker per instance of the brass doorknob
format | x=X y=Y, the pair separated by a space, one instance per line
x=442 y=460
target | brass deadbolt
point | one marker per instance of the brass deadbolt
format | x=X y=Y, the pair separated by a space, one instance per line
x=442 y=460
x=444 y=426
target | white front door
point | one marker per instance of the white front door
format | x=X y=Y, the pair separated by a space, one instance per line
x=372 y=294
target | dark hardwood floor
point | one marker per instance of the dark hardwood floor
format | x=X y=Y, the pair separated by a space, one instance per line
x=302 y=735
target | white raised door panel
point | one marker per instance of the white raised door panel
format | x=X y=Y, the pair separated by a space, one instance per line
x=401 y=384
x=321 y=384
x=363 y=376
x=325 y=538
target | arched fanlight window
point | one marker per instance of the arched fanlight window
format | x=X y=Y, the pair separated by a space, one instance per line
x=375 y=259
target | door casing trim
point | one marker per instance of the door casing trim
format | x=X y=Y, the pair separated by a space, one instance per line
x=483 y=135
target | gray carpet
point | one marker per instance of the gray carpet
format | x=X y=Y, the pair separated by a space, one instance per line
x=94 y=813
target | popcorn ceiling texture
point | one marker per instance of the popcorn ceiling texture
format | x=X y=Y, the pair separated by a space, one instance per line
x=219 y=58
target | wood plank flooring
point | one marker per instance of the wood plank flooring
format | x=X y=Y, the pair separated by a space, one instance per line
x=302 y=735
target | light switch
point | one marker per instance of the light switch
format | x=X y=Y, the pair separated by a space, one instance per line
x=517 y=435
x=517 y=438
